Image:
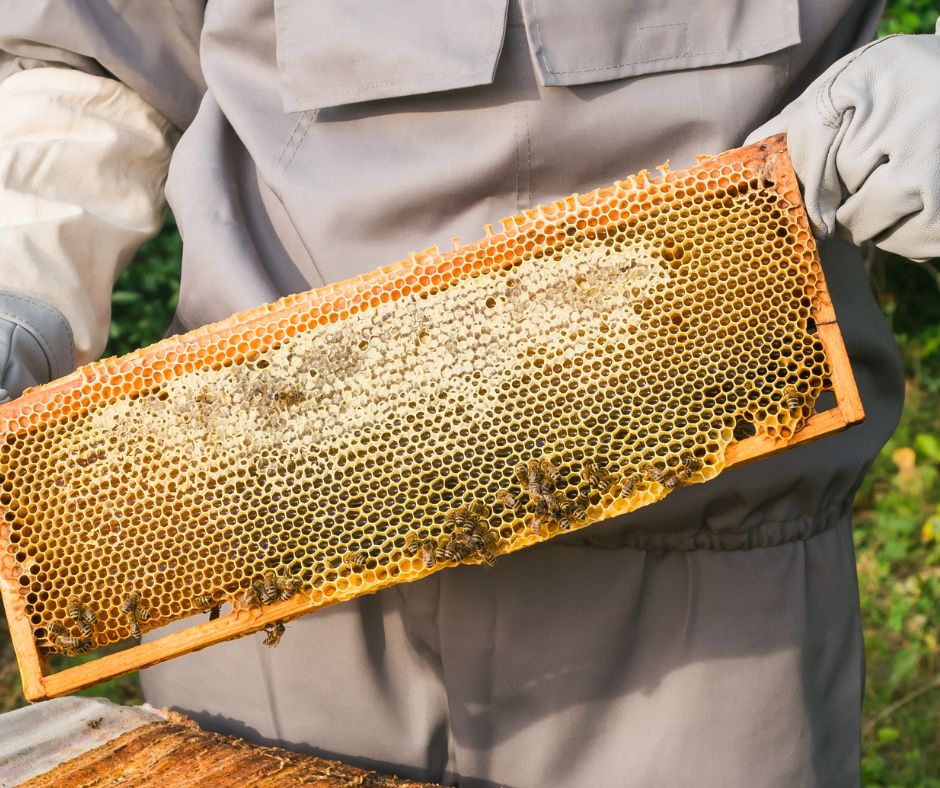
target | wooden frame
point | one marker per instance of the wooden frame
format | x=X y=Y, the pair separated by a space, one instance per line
x=38 y=683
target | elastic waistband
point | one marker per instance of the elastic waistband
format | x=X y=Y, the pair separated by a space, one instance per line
x=769 y=533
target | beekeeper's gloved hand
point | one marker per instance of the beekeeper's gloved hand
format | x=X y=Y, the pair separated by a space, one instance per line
x=83 y=160
x=35 y=344
x=865 y=143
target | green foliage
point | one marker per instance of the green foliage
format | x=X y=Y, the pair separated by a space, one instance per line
x=909 y=294
x=124 y=689
x=146 y=294
x=909 y=16
x=897 y=539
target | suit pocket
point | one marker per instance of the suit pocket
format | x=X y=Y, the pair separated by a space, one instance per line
x=600 y=40
x=334 y=52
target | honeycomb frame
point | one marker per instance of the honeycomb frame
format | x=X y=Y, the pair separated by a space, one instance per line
x=608 y=265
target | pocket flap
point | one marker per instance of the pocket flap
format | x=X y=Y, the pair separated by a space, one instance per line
x=333 y=52
x=619 y=39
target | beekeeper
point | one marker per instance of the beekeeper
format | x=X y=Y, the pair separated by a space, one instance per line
x=711 y=640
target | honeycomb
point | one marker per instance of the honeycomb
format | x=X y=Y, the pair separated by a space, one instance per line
x=588 y=358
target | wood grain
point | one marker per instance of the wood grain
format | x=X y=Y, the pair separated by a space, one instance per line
x=169 y=753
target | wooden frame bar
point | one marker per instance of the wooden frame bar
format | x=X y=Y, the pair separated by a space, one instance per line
x=39 y=683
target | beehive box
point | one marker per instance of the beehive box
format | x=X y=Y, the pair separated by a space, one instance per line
x=583 y=359
x=83 y=742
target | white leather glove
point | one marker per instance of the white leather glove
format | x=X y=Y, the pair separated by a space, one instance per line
x=864 y=139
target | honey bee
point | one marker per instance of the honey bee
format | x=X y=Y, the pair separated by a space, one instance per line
x=130 y=602
x=202 y=407
x=471 y=535
x=541 y=517
x=250 y=597
x=568 y=512
x=468 y=517
x=481 y=537
x=598 y=478
x=534 y=478
x=548 y=470
x=268 y=590
x=655 y=474
x=630 y=483
x=207 y=603
x=356 y=561
x=136 y=613
x=688 y=466
x=561 y=510
x=480 y=540
x=538 y=491
x=69 y=644
x=546 y=494
x=274 y=633
x=293 y=395
x=672 y=480
x=427 y=548
x=287 y=587
x=452 y=549
x=480 y=510
x=509 y=500
x=84 y=616
x=462 y=545
x=792 y=398
x=743 y=430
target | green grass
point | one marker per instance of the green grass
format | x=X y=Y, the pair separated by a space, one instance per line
x=897 y=539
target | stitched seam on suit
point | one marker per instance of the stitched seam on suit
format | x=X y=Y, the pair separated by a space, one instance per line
x=292 y=142
x=685 y=38
x=528 y=158
x=521 y=116
x=515 y=135
x=543 y=53
x=373 y=85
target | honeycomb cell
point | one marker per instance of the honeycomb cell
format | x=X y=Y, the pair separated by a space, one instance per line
x=583 y=359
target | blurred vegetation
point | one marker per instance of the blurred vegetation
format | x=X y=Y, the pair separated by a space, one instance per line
x=909 y=16
x=897 y=521
x=897 y=511
x=146 y=294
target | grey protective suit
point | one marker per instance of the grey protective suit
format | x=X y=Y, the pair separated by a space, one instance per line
x=711 y=640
